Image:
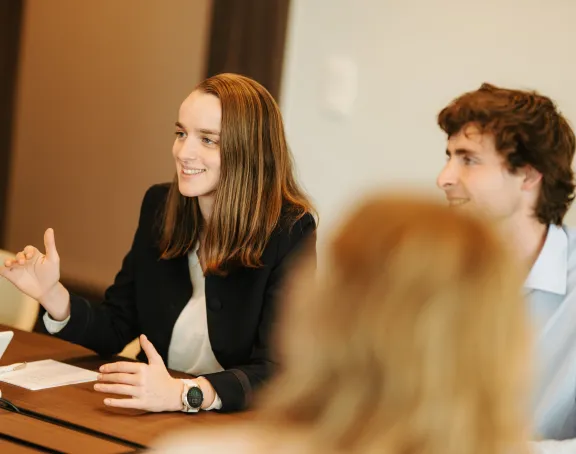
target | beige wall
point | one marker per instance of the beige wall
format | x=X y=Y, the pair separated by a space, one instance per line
x=99 y=89
x=411 y=58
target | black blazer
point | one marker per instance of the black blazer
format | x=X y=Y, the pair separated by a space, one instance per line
x=148 y=295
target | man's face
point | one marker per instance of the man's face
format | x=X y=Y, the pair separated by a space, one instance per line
x=476 y=178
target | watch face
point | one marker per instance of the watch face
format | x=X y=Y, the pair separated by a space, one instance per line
x=194 y=397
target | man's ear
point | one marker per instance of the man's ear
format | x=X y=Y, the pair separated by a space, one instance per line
x=531 y=177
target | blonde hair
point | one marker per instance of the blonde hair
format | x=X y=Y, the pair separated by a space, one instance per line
x=412 y=340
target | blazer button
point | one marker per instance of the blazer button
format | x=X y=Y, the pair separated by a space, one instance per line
x=214 y=304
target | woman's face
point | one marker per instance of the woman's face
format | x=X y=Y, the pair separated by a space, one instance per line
x=196 y=149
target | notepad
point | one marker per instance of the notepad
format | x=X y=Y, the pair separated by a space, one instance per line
x=48 y=374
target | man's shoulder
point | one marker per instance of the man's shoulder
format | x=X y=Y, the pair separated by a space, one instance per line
x=570 y=233
x=570 y=258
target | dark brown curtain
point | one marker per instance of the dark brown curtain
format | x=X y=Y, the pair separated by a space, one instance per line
x=248 y=37
x=10 y=24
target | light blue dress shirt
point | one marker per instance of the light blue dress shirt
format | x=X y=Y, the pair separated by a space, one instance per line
x=551 y=295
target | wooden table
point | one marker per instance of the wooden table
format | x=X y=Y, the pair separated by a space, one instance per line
x=30 y=433
x=8 y=447
x=107 y=430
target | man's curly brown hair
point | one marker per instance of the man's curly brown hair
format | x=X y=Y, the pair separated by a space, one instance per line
x=528 y=130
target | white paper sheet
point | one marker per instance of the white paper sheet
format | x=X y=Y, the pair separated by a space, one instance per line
x=47 y=374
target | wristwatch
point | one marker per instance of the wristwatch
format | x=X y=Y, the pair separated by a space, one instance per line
x=192 y=397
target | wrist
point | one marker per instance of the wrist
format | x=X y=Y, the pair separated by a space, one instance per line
x=205 y=389
x=176 y=403
x=57 y=302
x=208 y=392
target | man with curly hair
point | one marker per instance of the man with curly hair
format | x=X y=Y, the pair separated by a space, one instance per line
x=509 y=157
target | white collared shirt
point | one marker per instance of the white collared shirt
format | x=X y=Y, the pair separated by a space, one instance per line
x=551 y=296
x=190 y=350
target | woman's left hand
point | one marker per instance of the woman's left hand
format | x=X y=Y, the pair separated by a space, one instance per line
x=150 y=386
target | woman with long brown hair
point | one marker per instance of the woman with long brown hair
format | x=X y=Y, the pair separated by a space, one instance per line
x=211 y=249
x=411 y=339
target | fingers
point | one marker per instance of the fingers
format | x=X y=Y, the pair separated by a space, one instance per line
x=123 y=367
x=8 y=269
x=126 y=379
x=50 y=245
x=29 y=253
x=125 y=390
x=21 y=258
x=151 y=353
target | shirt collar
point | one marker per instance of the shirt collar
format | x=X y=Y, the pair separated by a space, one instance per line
x=550 y=271
x=193 y=254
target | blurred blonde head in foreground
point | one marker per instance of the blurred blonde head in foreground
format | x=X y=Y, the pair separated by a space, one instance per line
x=412 y=339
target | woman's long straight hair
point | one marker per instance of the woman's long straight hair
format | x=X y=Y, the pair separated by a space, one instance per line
x=257 y=187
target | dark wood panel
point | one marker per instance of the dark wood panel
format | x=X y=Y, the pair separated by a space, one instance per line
x=10 y=25
x=248 y=37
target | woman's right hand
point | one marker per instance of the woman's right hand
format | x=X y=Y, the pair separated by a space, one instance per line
x=38 y=275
